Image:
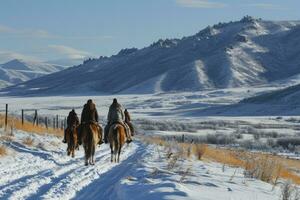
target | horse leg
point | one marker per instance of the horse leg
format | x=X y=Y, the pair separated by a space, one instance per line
x=93 y=155
x=73 y=152
x=119 y=152
x=86 y=157
x=92 y=162
x=68 y=150
x=115 y=154
x=111 y=152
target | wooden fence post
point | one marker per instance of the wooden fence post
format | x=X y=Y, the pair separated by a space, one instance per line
x=22 y=117
x=56 y=121
x=46 y=122
x=35 y=117
x=6 y=111
x=53 y=125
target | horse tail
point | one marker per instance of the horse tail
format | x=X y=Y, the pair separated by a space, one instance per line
x=89 y=139
x=116 y=139
x=71 y=138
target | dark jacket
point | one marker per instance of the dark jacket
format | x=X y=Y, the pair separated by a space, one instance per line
x=72 y=119
x=89 y=113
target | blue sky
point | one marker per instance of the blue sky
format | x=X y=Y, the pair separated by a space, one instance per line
x=56 y=29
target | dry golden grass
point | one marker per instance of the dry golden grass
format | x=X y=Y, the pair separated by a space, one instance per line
x=267 y=167
x=28 y=141
x=29 y=127
x=3 y=151
x=199 y=150
x=6 y=137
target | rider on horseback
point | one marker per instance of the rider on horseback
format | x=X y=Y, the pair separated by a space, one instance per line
x=72 y=120
x=128 y=121
x=116 y=115
x=90 y=115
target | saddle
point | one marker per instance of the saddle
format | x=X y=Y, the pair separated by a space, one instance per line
x=125 y=125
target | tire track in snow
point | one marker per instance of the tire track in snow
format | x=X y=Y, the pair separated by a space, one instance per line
x=53 y=176
x=104 y=187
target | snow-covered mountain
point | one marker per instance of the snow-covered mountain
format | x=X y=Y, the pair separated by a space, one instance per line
x=17 y=71
x=242 y=53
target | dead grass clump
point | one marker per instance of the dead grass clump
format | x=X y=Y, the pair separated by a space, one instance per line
x=263 y=168
x=6 y=138
x=41 y=145
x=184 y=174
x=172 y=161
x=29 y=127
x=289 y=191
x=28 y=141
x=199 y=150
x=3 y=150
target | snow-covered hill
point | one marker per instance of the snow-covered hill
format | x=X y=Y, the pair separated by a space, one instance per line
x=17 y=71
x=242 y=53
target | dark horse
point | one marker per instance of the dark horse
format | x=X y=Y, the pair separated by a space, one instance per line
x=90 y=138
x=116 y=138
x=71 y=137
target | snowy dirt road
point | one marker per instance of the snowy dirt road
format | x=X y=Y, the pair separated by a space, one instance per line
x=40 y=169
x=46 y=172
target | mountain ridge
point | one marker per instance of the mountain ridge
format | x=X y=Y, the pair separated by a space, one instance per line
x=17 y=71
x=234 y=54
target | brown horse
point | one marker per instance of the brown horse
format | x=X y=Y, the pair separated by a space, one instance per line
x=116 y=138
x=71 y=137
x=90 y=138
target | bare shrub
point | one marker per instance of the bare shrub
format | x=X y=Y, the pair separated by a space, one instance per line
x=3 y=150
x=219 y=138
x=285 y=142
x=41 y=145
x=289 y=191
x=184 y=174
x=172 y=162
x=28 y=141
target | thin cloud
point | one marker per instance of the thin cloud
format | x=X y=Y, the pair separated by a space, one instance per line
x=9 y=32
x=70 y=52
x=200 y=4
x=267 y=6
x=5 y=29
x=6 y=56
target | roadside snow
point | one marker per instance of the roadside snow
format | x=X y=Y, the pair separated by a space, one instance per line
x=43 y=171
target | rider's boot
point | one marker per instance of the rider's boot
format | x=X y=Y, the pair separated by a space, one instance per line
x=128 y=134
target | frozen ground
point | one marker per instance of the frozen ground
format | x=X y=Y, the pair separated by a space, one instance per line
x=186 y=109
x=43 y=171
x=183 y=106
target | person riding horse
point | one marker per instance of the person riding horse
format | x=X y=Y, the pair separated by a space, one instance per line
x=116 y=115
x=89 y=114
x=72 y=120
x=128 y=121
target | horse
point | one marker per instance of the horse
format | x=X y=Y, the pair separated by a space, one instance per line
x=90 y=138
x=116 y=138
x=71 y=137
